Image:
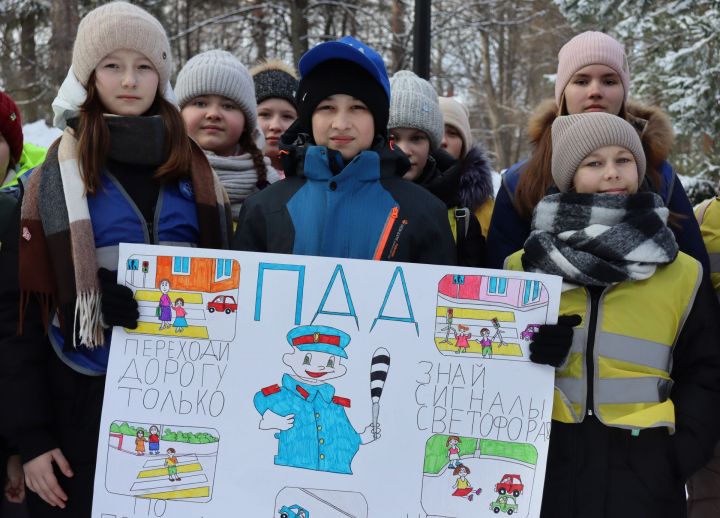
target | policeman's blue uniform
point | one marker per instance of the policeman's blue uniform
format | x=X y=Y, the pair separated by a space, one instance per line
x=321 y=437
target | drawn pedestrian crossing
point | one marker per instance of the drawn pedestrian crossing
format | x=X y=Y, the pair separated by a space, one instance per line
x=153 y=482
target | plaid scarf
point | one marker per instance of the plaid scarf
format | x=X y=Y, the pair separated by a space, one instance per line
x=599 y=239
x=57 y=245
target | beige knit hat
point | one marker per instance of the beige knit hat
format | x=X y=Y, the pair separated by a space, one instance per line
x=120 y=25
x=414 y=104
x=217 y=72
x=576 y=136
x=590 y=48
x=457 y=115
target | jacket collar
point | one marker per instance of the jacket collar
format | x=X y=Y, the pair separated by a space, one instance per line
x=308 y=392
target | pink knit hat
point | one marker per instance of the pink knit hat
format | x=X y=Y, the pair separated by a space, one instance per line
x=590 y=48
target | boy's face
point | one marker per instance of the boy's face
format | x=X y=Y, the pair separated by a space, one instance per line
x=343 y=123
x=215 y=123
x=313 y=367
x=4 y=158
x=610 y=170
x=416 y=145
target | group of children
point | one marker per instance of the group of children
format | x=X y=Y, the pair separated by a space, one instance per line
x=374 y=168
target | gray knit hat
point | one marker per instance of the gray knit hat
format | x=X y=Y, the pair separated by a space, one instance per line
x=217 y=72
x=414 y=104
x=576 y=136
x=274 y=79
x=120 y=25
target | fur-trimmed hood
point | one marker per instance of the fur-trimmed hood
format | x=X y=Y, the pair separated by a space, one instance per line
x=651 y=123
x=468 y=183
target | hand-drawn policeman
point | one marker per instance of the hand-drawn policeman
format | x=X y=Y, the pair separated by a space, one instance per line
x=314 y=430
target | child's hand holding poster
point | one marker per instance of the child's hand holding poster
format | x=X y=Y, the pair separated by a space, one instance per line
x=288 y=386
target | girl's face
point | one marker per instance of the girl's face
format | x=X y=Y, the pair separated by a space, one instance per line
x=215 y=122
x=274 y=118
x=416 y=145
x=594 y=88
x=178 y=303
x=140 y=433
x=127 y=82
x=462 y=472
x=452 y=141
x=343 y=123
x=4 y=158
x=610 y=170
x=453 y=442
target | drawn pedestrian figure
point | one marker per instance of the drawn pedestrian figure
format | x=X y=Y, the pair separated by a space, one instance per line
x=314 y=430
x=462 y=486
x=154 y=441
x=461 y=338
x=448 y=326
x=498 y=337
x=180 y=313
x=453 y=451
x=171 y=464
x=164 y=312
x=486 y=343
x=140 y=441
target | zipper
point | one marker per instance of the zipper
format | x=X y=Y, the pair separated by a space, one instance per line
x=595 y=294
x=392 y=217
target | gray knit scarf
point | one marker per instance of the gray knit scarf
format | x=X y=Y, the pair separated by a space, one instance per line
x=237 y=174
x=599 y=239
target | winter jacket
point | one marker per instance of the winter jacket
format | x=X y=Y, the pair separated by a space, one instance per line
x=704 y=486
x=467 y=183
x=508 y=230
x=363 y=210
x=600 y=471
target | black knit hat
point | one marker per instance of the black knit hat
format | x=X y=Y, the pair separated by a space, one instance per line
x=339 y=76
x=274 y=79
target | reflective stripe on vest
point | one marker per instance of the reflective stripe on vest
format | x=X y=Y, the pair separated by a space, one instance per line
x=632 y=373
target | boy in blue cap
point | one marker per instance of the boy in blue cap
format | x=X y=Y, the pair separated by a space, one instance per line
x=344 y=195
x=314 y=430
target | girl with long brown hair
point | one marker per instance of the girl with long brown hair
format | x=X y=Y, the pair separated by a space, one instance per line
x=124 y=170
x=592 y=76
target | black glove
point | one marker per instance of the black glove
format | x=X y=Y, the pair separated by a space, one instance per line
x=117 y=304
x=552 y=342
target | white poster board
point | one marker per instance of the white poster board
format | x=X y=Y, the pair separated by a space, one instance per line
x=262 y=385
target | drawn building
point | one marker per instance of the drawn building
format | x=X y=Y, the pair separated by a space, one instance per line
x=198 y=273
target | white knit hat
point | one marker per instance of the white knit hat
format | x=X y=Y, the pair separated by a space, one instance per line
x=590 y=48
x=574 y=137
x=456 y=114
x=217 y=72
x=115 y=26
x=414 y=104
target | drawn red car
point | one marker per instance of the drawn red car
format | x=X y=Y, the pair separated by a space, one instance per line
x=224 y=303
x=510 y=484
x=530 y=331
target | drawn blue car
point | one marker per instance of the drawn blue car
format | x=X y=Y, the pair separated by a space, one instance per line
x=294 y=511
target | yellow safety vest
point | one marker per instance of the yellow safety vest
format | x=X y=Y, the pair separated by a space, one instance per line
x=708 y=216
x=637 y=325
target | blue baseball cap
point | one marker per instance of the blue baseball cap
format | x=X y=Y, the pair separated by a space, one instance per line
x=349 y=49
x=322 y=339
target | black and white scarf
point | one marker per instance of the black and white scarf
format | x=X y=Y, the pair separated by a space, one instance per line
x=599 y=239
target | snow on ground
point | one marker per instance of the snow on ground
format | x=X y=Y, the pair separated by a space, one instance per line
x=40 y=134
